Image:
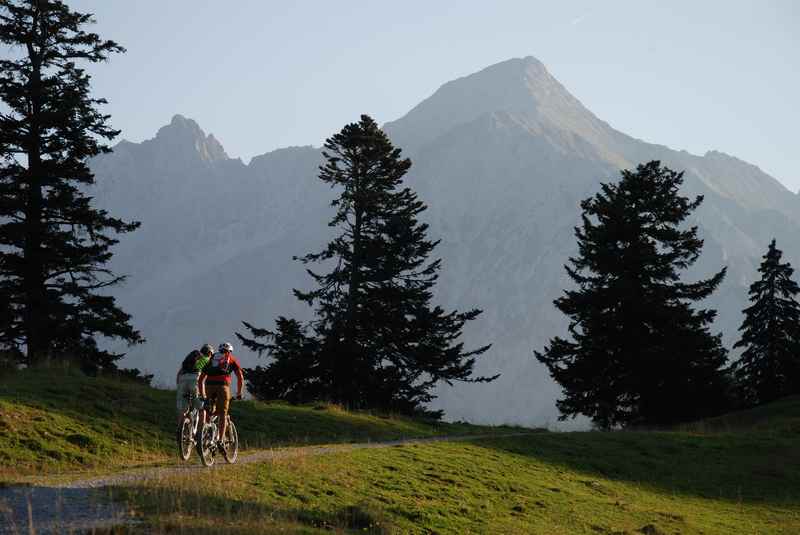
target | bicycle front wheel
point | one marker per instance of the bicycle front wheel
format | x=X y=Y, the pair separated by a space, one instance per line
x=230 y=449
x=205 y=444
x=184 y=438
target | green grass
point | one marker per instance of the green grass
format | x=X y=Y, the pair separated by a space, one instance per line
x=58 y=421
x=734 y=474
x=781 y=415
x=549 y=483
x=739 y=473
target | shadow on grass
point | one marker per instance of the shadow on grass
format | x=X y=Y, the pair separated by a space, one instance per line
x=755 y=467
x=197 y=511
x=782 y=415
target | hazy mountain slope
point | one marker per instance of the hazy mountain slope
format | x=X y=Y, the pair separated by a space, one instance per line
x=216 y=236
x=502 y=157
x=505 y=185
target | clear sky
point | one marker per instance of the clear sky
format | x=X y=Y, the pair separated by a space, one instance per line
x=264 y=74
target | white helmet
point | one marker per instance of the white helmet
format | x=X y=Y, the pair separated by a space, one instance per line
x=225 y=346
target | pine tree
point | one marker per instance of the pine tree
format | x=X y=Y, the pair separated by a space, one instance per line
x=769 y=367
x=639 y=354
x=376 y=340
x=295 y=373
x=53 y=245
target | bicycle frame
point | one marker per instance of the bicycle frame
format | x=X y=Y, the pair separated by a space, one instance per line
x=192 y=412
x=191 y=416
x=208 y=440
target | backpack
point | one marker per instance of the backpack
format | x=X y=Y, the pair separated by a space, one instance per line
x=219 y=364
x=189 y=364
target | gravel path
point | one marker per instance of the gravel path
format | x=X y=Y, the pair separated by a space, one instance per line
x=259 y=457
x=81 y=505
x=56 y=511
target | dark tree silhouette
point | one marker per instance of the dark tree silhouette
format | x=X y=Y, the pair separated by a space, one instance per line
x=295 y=372
x=639 y=353
x=376 y=341
x=769 y=367
x=53 y=244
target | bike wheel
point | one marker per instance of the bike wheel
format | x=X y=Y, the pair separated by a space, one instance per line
x=205 y=444
x=184 y=437
x=230 y=449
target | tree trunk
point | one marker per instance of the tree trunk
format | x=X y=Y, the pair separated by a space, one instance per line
x=345 y=378
x=37 y=332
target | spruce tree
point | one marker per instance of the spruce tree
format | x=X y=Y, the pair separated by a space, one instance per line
x=376 y=340
x=295 y=373
x=638 y=353
x=769 y=367
x=54 y=246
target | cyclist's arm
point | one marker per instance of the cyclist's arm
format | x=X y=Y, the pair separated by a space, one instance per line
x=240 y=381
x=178 y=376
x=201 y=384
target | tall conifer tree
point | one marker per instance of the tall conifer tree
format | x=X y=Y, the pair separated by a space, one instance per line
x=376 y=340
x=53 y=244
x=639 y=353
x=769 y=367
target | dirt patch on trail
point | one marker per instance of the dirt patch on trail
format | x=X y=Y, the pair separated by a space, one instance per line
x=48 y=510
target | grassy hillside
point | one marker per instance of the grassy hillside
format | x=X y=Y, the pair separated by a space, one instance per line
x=56 y=421
x=651 y=483
x=779 y=416
x=735 y=474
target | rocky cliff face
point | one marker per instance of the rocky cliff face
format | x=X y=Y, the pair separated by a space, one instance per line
x=502 y=157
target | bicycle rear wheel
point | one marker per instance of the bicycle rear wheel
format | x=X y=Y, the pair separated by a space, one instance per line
x=184 y=438
x=205 y=444
x=230 y=448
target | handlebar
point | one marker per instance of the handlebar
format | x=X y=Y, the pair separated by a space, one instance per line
x=207 y=399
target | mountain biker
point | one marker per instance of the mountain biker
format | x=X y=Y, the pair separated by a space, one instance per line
x=215 y=383
x=188 y=373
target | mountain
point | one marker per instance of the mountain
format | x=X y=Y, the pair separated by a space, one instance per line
x=502 y=157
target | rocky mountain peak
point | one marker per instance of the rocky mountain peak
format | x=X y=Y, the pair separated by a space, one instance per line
x=519 y=87
x=183 y=134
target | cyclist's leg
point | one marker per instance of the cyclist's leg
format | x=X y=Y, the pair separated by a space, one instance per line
x=181 y=391
x=223 y=403
x=200 y=407
x=218 y=394
x=211 y=396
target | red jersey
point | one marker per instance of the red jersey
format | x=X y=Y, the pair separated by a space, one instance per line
x=219 y=368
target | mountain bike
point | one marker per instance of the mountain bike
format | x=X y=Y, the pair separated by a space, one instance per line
x=187 y=429
x=209 y=445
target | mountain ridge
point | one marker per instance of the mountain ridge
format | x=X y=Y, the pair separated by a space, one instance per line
x=502 y=188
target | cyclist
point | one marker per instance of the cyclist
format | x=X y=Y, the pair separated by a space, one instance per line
x=215 y=383
x=186 y=380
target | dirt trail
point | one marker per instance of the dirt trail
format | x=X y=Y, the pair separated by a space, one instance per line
x=56 y=511
x=77 y=506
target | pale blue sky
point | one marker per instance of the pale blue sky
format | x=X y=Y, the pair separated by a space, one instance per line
x=261 y=75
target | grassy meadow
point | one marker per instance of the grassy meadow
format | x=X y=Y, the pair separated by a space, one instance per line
x=60 y=423
x=739 y=473
x=550 y=483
